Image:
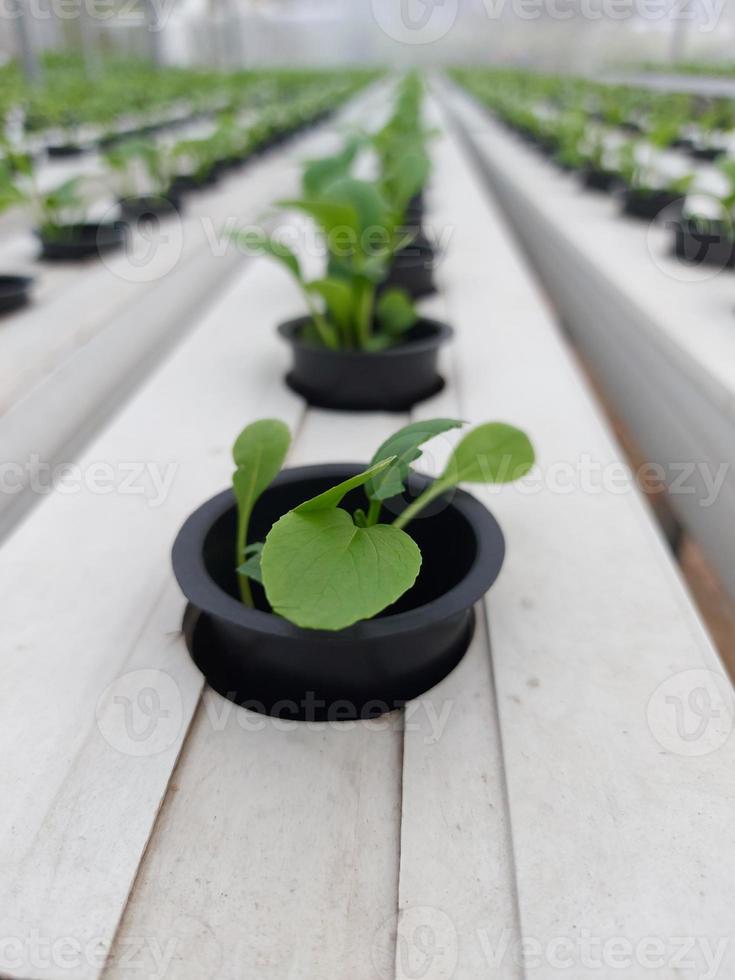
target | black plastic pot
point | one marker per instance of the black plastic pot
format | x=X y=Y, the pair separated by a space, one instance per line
x=548 y=145
x=64 y=150
x=262 y=661
x=150 y=207
x=595 y=179
x=705 y=242
x=647 y=204
x=232 y=163
x=391 y=380
x=75 y=242
x=707 y=153
x=414 y=215
x=14 y=292
x=112 y=139
x=185 y=183
x=412 y=269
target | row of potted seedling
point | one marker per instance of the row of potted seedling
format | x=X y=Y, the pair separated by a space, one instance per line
x=342 y=591
x=149 y=177
x=618 y=148
x=66 y=111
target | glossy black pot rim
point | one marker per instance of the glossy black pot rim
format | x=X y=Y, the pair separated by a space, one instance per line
x=441 y=334
x=204 y=593
x=8 y=281
x=109 y=228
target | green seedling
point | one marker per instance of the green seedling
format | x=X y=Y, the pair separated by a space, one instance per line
x=323 y=566
x=361 y=235
x=64 y=205
x=134 y=159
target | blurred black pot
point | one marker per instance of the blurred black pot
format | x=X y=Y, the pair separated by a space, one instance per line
x=151 y=206
x=390 y=380
x=595 y=179
x=705 y=242
x=412 y=269
x=647 y=203
x=75 y=242
x=14 y=292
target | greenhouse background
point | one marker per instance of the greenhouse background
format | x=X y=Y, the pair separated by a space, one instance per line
x=569 y=35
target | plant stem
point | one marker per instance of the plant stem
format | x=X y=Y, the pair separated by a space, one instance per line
x=244 y=582
x=373 y=512
x=245 y=594
x=436 y=489
x=365 y=315
x=320 y=322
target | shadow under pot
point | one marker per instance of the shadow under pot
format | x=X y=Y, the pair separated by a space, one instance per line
x=186 y=183
x=707 y=153
x=412 y=269
x=596 y=179
x=65 y=150
x=14 y=292
x=75 y=242
x=705 y=242
x=150 y=207
x=682 y=143
x=647 y=204
x=268 y=664
x=390 y=380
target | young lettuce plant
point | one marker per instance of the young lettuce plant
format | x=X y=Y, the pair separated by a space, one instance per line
x=318 y=174
x=362 y=235
x=323 y=567
x=136 y=158
x=595 y=151
x=721 y=226
x=401 y=148
x=17 y=180
x=570 y=133
x=727 y=200
x=10 y=190
x=64 y=205
x=642 y=176
x=198 y=157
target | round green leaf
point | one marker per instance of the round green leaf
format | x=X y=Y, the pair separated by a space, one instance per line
x=320 y=571
x=491 y=453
